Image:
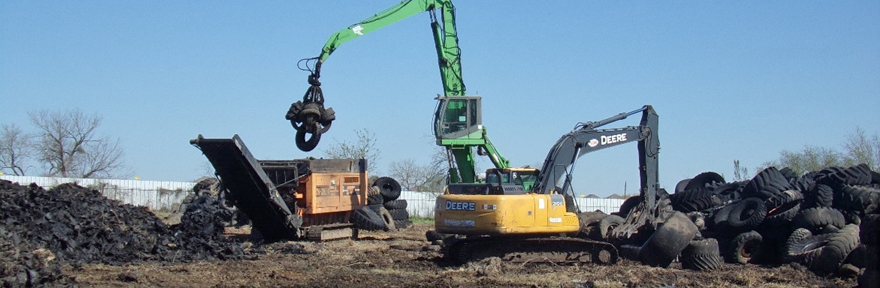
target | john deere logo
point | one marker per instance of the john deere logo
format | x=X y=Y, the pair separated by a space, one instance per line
x=593 y=142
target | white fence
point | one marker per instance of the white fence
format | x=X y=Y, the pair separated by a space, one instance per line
x=156 y=195
x=163 y=195
x=421 y=204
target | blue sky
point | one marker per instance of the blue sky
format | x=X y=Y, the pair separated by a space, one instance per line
x=730 y=80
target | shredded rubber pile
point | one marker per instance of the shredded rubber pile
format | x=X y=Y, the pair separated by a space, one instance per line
x=76 y=225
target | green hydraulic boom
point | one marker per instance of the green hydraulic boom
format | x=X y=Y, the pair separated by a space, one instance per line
x=457 y=120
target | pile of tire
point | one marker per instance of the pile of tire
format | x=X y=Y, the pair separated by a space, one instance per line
x=824 y=220
x=384 y=211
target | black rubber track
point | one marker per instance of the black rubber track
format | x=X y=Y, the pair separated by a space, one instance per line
x=766 y=183
x=701 y=255
x=746 y=247
x=747 y=214
x=818 y=218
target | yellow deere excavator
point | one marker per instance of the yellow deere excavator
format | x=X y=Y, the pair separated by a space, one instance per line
x=499 y=219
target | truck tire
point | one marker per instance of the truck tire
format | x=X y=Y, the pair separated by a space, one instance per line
x=399 y=214
x=402 y=223
x=746 y=247
x=701 y=255
x=820 y=196
x=387 y=219
x=608 y=223
x=388 y=188
x=781 y=208
x=747 y=214
x=824 y=253
x=860 y=199
x=668 y=241
x=868 y=230
x=628 y=205
x=366 y=219
x=396 y=204
x=818 y=218
x=703 y=180
x=695 y=199
x=311 y=143
x=766 y=183
x=375 y=199
x=680 y=186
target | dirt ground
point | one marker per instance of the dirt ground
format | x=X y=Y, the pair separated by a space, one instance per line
x=404 y=259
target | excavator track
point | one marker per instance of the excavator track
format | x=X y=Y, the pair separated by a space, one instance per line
x=559 y=250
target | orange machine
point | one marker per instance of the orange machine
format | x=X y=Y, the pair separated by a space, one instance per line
x=289 y=199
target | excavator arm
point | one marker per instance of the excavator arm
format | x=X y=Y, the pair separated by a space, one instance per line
x=309 y=116
x=585 y=138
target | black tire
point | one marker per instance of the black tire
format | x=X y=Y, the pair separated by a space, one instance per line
x=719 y=218
x=311 y=143
x=608 y=223
x=746 y=248
x=783 y=207
x=387 y=219
x=681 y=185
x=747 y=214
x=375 y=207
x=868 y=230
x=857 y=198
x=823 y=253
x=388 y=188
x=858 y=175
x=589 y=224
x=402 y=223
x=805 y=183
x=833 y=254
x=399 y=214
x=628 y=205
x=766 y=183
x=396 y=204
x=729 y=191
x=375 y=199
x=671 y=237
x=366 y=219
x=696 y=199
x=821 y=196
x=788 y=174
x=703 y=180
x=701 y=255
x=817 y=219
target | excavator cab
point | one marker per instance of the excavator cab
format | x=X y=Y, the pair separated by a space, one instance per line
x=458 y=118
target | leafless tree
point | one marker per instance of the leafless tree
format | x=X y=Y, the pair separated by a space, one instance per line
x=424 y=178
x=68 y=145
x=861 y=148
x=364 y=148
x=15 y=149
x=858 y=148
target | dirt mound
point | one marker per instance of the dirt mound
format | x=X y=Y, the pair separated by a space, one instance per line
x=79 y=226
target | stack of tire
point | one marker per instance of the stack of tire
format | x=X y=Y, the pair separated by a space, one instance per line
x=778 y=217
x=384 y=211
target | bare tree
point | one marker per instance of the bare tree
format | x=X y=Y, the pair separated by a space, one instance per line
x=414 y=177
x=740 y=173
x=364 y=148
x=859 y=148
x=15 y=149
x=66 y=142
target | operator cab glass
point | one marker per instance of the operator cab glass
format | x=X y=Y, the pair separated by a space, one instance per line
x=457 y=117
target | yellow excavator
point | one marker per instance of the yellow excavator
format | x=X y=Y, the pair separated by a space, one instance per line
x=499 y=219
